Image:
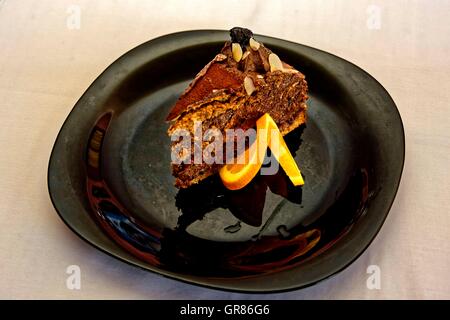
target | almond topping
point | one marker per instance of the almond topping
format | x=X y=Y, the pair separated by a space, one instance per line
x=221 y=57
x=245 y=55
x=275 y=63
x=237 y=51
x=249 y=86
x=254 y=44
x=290 y=70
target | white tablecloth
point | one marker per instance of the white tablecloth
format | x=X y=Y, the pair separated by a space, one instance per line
x=46 y=63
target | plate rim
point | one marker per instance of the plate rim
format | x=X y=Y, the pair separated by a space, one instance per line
x=178 y=276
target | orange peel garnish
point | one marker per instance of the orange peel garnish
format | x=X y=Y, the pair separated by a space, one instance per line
x=238 y=175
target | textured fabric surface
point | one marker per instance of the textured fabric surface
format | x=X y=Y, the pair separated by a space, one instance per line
x=46 y=63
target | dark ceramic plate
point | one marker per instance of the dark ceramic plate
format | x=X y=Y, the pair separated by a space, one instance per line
x=109 y=176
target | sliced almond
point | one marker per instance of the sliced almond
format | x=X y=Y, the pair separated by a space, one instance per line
x=237 y=51
x=290 y=70
x=260 y=76
x=275 y=63
x=249 y=86
x=245 y=55
x=254 y=44
x=221 y=57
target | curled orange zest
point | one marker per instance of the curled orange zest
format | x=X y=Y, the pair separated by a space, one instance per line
x=238 y=175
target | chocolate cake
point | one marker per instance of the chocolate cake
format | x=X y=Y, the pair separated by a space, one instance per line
x=243 y=82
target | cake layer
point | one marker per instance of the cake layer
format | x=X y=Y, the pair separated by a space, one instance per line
x=242 y=83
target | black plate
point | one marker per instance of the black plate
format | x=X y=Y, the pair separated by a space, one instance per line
x=109 y=177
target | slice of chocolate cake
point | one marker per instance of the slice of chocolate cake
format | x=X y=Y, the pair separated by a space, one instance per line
x=242 y=83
